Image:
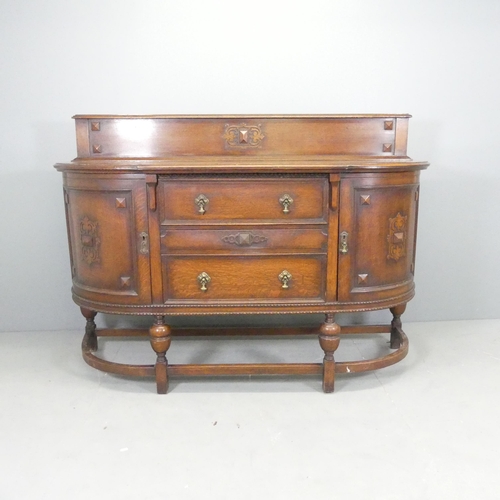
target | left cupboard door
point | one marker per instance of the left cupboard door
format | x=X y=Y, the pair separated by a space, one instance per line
x=108 y=236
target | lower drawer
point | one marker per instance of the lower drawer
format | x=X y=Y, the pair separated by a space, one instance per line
x=278 y=278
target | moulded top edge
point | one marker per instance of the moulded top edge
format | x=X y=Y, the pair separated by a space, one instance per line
x=222 y=116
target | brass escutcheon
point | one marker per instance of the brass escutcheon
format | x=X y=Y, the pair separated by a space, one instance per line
x=286 y=200
x=202 y=201
x=204 y=279
x=343 y=242
x=284 y=277
x=143 y=243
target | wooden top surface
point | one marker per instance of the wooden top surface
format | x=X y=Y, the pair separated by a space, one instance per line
x=245 y=116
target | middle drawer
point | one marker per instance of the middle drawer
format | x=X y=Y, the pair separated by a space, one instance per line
x=243 y=241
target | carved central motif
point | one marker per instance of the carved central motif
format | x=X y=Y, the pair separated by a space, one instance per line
x=90 y=240
x=243 y=135
x=397 y=237
x=244 y=239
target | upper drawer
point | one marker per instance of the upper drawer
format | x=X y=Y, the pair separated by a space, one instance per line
x=248 y=200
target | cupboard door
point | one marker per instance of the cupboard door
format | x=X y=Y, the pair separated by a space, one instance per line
x=378 y=222
x=108 y=229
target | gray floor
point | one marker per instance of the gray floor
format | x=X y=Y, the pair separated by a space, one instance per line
x=427 y=428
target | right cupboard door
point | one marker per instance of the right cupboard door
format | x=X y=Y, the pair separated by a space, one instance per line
x=377 y=231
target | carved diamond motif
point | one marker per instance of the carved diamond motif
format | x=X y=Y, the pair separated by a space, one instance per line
x=95 y=126
x=387 y=148
x=388 y=125
x=125 y=281
x=243 y=136
x=97 y=148
x=362 y=279
x=121 y=203
x=365 y=199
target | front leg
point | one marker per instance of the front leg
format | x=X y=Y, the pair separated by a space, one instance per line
x=329 y=341
x=397 y=326
x=90 y=339
x=159 y=336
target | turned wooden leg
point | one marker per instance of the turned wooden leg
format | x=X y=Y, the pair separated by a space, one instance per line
x=329 y=341
x=397 y=326
x=159 y=336
x=90 y=339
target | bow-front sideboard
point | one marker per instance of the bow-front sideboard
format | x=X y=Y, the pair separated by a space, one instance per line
x=218 y=215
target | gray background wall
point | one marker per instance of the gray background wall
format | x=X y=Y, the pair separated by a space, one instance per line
x=438 y=60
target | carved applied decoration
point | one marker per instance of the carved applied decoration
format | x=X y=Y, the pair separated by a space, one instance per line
x=95 y=126
x=388 y=125
x=244 y=239
x=243 y=135
x=387 y=148
x=365 y=199
x=397 y=237
x=96 y=148
x=90 y=240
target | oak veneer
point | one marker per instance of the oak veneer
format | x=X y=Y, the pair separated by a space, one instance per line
x=201 y=215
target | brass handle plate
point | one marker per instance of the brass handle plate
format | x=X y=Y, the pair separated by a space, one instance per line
x=286 y=200
x=204 y=279
x=285 y=278
x=202 y=202
x=343 y=242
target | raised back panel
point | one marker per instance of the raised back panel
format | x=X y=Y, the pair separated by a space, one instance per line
x=170 y=136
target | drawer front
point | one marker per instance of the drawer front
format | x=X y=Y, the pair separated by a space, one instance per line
x=243 y=241
x=251 y=278
x=212 y=201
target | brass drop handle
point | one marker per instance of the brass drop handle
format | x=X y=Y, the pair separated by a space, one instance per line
x=202 y=201
x=343 y=242
x=204 y=279
x=285 y=278
x=286 y=200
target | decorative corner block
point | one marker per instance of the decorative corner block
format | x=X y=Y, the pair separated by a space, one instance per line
x=362 y=279
x=125 y=281
x=121 y=203
x=365 y=199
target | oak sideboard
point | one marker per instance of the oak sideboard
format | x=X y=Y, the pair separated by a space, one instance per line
x=242 y=214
